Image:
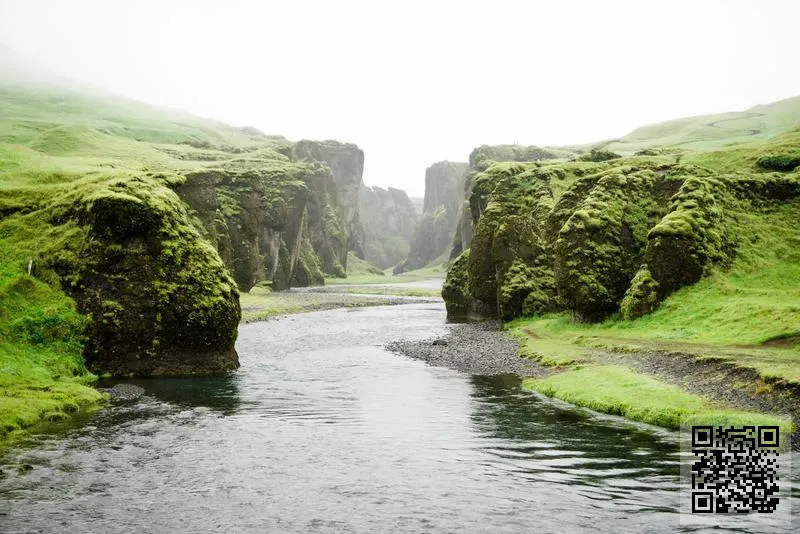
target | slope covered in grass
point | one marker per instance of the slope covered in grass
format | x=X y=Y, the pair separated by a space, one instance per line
x=42 y=374
x=705 y=132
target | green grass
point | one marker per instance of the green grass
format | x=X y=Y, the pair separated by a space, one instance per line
x=358 y=267
x=617 y=390
x=42 y=375
x=707 y=132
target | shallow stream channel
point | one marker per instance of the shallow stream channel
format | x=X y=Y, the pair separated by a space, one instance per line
x=324 y=430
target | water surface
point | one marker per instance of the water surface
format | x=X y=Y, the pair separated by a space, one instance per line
x=321 y=430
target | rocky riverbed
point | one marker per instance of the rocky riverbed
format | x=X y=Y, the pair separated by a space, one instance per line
x=474 y=348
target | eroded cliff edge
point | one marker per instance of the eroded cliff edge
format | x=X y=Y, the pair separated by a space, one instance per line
x=444 y=195
x=390 y=220
x=155 y=297
x=615 y=235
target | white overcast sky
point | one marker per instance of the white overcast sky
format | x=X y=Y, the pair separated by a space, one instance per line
x=413 y=82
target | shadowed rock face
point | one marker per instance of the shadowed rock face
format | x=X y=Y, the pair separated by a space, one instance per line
x=346 y=162
x=389 y=221
x=259 y=222
x=290 y=222
x=444 y=195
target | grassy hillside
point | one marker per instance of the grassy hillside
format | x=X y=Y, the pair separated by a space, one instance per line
x=706 y=132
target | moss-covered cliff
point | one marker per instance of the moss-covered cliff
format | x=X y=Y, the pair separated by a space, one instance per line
x=151 y=220
x=474 y=201
x=607 y=235
x=389 y=221
x=155 y=295
x=346 y=162
x=444 y=195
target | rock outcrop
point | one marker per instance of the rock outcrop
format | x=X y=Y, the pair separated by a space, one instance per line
x=260 y=223
x=156 y=297
x=389 y=220
x=600 y=237
x=481 y=159
x=346 y=162
x=444 y=194
x=290 y=220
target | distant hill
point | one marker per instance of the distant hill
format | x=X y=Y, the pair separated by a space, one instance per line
x=708 y=132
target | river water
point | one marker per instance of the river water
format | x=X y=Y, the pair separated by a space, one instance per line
x=322 y=430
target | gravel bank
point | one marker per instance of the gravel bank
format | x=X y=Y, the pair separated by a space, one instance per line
x=474 y=348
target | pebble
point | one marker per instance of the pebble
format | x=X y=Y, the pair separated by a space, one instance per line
x=474 y=348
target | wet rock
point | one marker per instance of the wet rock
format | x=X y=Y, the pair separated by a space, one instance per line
x=125 y=392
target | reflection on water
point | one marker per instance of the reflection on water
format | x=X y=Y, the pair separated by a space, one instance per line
x=321 y=430
x=218 y=393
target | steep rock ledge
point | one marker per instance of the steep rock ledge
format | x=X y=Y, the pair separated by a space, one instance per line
x=596 y=238
x=444 y=195
x=346 y=162
x=389 y=220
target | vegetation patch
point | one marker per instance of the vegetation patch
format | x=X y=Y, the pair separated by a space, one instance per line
x=42 y=373
x=617 y=390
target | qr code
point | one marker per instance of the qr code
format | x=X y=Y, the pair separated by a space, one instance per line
x=735 y=469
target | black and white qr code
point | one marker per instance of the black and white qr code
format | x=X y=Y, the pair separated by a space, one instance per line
x=735 y=469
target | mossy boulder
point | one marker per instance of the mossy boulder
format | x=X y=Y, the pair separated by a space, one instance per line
x=157 y=298
x=455 y=290
x=786 y=162
x=599 y=248
x=600 y=154
x=641 y=297
x=690 y=237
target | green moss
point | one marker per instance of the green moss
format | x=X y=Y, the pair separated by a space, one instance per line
x=455 y=289
x=146 y=283
x=617 y=390
x=599 y=154
x=641 y=297
x=599 y=248
x=779 y=162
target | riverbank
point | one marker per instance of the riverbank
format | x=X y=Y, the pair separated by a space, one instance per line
x=636 y=380
x=262 y=306
x=42 y=374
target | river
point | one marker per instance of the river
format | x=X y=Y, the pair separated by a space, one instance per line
x=322 y=430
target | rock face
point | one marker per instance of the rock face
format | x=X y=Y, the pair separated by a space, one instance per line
x=346 y=162
x=259 y=222
x=157 y=298
x=287 y=222
x=444 y=195
x=481 y=159
x=389 y=222
x=599 y=237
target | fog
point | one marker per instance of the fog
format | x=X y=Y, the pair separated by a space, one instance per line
x=416 y=82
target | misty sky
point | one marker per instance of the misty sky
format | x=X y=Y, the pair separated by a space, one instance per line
x=415 y=82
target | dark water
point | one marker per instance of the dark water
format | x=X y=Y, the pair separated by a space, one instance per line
x=323 y=431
